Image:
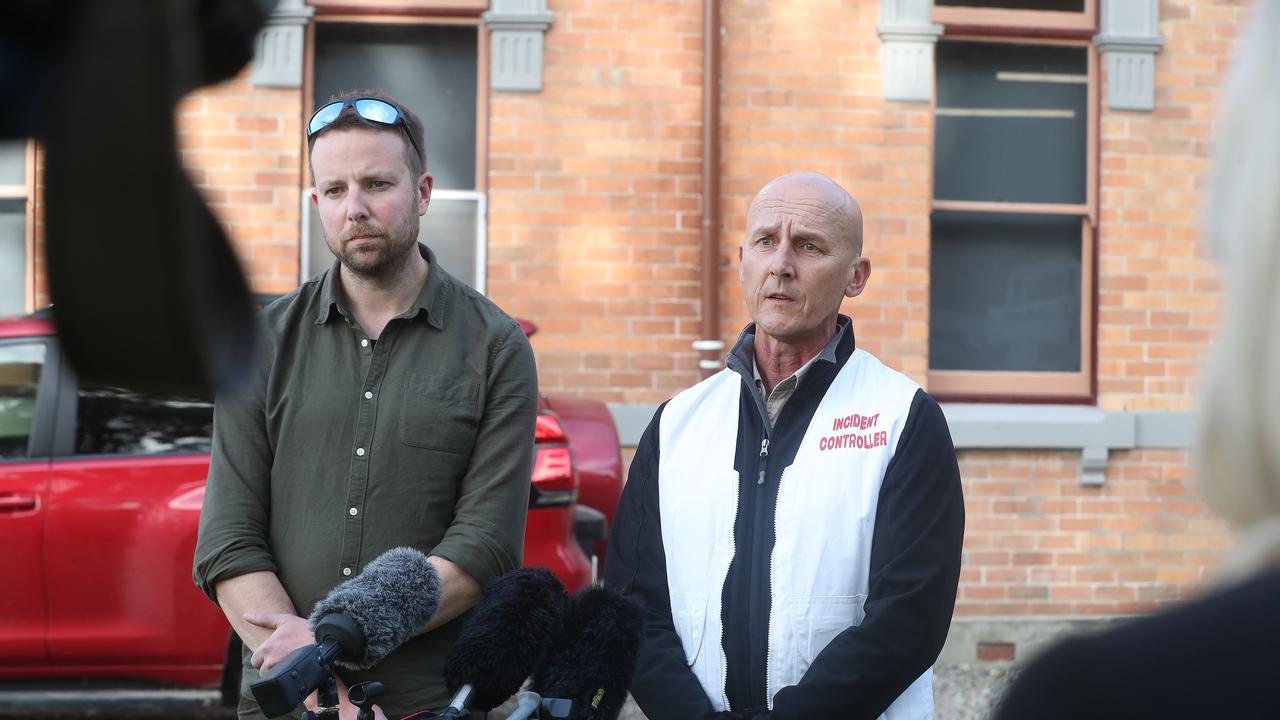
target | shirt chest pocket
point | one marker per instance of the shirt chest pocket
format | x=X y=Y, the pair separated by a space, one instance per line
x=439 y=412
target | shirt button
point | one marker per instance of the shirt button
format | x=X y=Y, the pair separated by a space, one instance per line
x=360 y=452
x=364 y=342
x=346 y=571
x=368 y=395
x=353 y=512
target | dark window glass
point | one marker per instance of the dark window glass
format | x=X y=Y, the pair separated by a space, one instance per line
x=20 y=366
x=1059 y=5
x=1005 y=292
x=1011 y=123
x=432 y=69
x=118 y=420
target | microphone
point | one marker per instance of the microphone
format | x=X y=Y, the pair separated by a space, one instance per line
x=592 y=659
x=502 y=640
x=356 y=625
x=389 y=600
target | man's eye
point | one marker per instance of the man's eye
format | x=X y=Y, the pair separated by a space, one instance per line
x=766 y=241
x=810 y=247
x=379 y=184
x=332 y=191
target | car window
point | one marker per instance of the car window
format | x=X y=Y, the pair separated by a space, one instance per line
x=112 y=419
x=20 y=366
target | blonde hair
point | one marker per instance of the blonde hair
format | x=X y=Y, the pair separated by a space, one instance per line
x=1239 y=459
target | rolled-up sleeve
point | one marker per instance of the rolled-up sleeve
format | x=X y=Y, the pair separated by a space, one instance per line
x=486 y=537
x=234 y=519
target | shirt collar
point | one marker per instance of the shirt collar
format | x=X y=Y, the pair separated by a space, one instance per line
x=433 y=299
x=743 y=355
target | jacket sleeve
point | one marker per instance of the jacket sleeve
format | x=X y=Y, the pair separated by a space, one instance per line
x=915 y=568
x=663 y=685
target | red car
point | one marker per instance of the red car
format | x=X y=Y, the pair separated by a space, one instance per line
x=100 y=494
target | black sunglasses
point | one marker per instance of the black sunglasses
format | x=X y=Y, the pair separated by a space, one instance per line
x=371 y=109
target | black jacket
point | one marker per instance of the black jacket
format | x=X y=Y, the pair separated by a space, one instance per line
x=915 y=564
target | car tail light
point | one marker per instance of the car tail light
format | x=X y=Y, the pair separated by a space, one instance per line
x=554 y=483
x=549 y=430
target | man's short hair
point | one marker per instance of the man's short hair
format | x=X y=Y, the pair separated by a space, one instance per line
x=410 y=126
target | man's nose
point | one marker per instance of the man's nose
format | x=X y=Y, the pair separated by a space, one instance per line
x=781 y=261
x=357 y=207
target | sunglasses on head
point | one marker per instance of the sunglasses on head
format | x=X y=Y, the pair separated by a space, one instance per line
x=371 y=109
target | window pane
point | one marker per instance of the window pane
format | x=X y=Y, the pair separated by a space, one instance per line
x=1005 y=292
x=1011 y=123
x=1060 y=5
x=19 y=378
x=449 y=229
x=432 y=69
x=13 y=257
x=118 y=420
x=13 y=162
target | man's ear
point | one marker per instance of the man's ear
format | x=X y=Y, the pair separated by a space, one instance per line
x=858 y=277
x=424 y=192
x=741 y=275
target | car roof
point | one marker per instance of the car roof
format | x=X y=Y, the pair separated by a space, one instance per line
x=37 y=324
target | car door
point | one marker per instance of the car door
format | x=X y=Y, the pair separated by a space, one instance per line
x=123 y=513
x=28 y=387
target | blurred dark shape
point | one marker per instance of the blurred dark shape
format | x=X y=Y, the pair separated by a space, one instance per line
x=145 y=287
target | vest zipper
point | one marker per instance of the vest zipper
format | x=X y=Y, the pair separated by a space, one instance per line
x=764 y=459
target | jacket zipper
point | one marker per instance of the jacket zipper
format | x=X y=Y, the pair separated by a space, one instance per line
x=757 y=518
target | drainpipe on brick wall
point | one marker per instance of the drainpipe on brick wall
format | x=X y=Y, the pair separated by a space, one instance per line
x=710 y=347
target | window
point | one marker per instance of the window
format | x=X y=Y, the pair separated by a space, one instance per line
x=114 y=420
x=1011 y=267
x=1042 y=15
x=20 y=366
x=16 y=169
x=434 y=69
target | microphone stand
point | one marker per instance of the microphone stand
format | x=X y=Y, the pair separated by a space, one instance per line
x=326 y=699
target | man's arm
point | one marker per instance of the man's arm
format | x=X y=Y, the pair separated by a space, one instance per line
x=663 y=685
x=458 y=592
x=232 y=564
x=915 y=568
x=486 y=538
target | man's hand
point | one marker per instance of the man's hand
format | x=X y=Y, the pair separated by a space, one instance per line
x=288 y=633
x=346 y=711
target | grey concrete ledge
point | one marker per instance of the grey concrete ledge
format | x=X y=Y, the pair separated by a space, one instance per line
x=1014 y=427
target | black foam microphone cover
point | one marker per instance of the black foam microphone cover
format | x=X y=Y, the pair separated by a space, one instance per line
x=505 y=636
x=592 y=658
x=392 y=597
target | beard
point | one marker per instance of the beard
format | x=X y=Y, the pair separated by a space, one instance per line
x=384 y=255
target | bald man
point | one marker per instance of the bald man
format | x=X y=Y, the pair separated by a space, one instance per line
x=792 y=525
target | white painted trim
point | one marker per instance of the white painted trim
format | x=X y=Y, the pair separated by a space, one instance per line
x=1129 y=41
x=280 y=46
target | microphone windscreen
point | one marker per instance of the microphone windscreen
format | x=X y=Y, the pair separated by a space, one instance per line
x=505 y=636
x=392 y=597
x=592 y=658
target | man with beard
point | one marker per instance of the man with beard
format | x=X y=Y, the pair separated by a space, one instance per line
x=395 y=407
x=793 y=523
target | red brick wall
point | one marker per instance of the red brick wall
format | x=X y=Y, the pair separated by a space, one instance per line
x=243 y=148
x=594 y=217
x=1037 y=542
x=1158 y=297
x=594 y=205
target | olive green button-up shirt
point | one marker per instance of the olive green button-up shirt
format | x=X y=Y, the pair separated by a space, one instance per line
x=347 y=447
